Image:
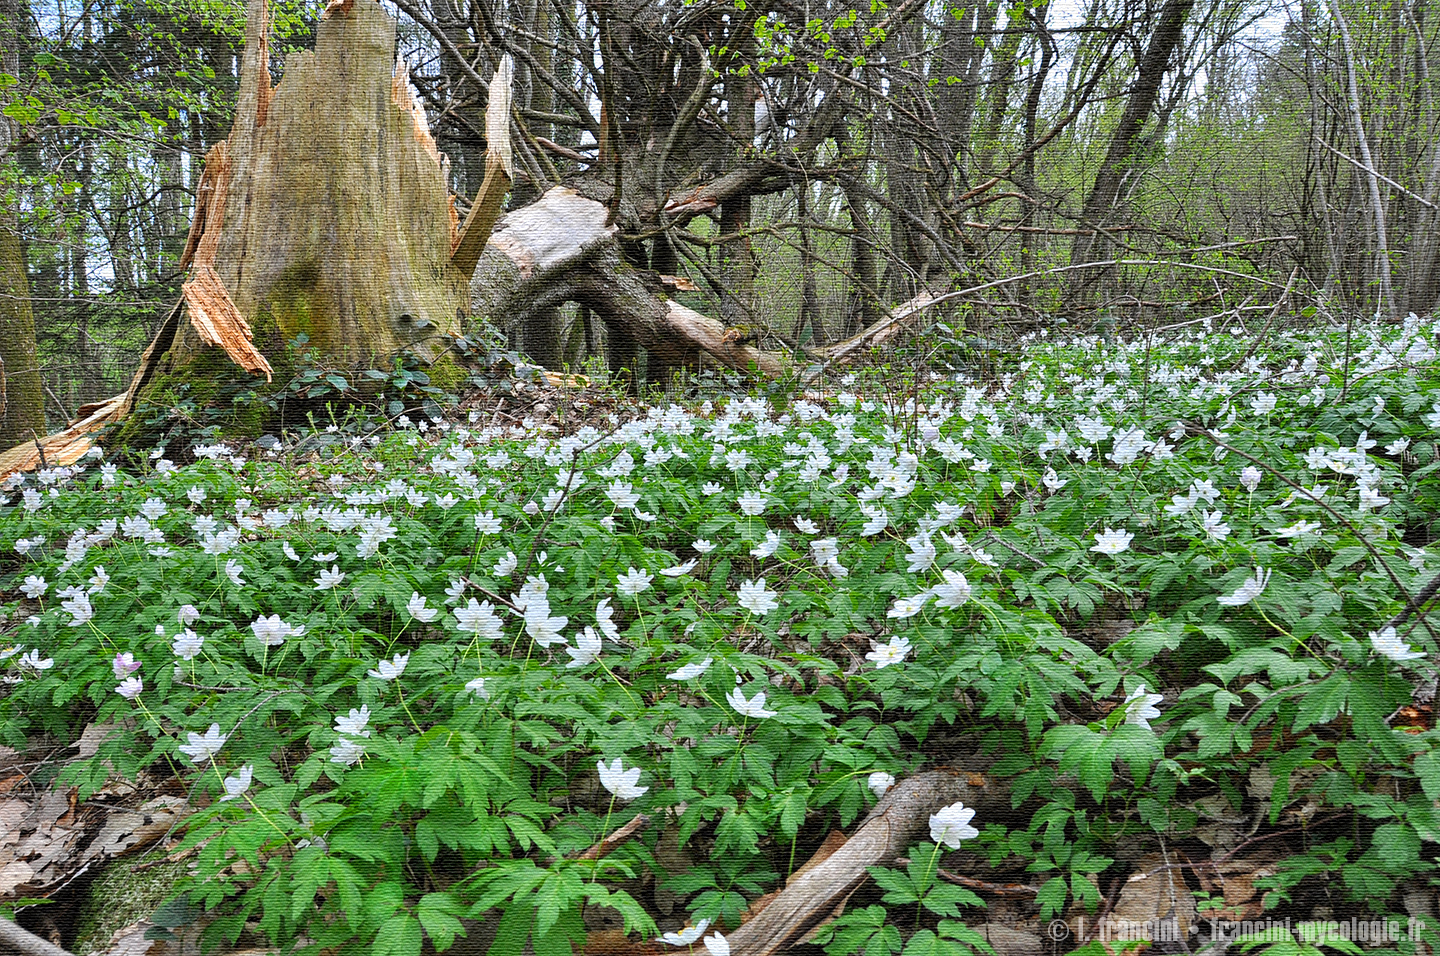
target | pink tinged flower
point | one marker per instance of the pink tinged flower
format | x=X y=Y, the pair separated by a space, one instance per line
x=130 y=688
x=754 y=707
x=619 y=781
x=586 y=650
x=1112 y=541
x=880 y=782
x=1140 y=707
x=892 y=653
x=1248 y=591
x=754 y=597
x=1250 y=477
x=391 y=669
x=417 y=608
x=1388 y=644
x=236 y=786
x=691 y=671
x=124 y=665
x=187 y=615
x=952 y=825
x=687 y=935
x=717 y=945
x=204 y=746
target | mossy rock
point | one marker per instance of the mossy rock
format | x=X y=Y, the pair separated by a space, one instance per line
x=126 y=891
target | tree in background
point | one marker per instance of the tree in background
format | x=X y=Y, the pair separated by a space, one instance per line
x=22 y=401
x=938 y=145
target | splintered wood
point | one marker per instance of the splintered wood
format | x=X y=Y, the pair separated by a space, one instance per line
x=219 y=323
x=467 y=247
x=200 y=244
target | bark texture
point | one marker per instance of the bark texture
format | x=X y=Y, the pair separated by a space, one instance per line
x=328 y=214
x=563 y=248
x=1118 y=164
x=22 y=398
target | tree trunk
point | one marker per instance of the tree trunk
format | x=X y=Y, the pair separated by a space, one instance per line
x=22 y=398
x=562 y=249
x=1372 y=180
x=325 y=214
x=1119 y=157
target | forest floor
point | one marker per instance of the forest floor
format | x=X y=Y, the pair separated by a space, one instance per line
x=559 y=670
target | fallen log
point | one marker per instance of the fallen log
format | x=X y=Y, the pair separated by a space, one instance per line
x=819 y=888
x=563 y=248
x=900 y=820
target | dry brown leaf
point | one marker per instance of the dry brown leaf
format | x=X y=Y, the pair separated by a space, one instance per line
x=92 y=737
x=1155 y=892
x=131 y=941
x=14 y=875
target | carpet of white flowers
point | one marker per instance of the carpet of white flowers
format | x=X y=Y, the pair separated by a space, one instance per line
x=412 y=677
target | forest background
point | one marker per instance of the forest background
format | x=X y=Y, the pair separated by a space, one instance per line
x=805 y=165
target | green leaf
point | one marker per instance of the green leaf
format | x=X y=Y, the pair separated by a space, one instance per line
x=898 y=886
x=399 y=936
x=1051 y=897
x=1324 y=702
x=439 y=916
x=513 y=933
x=1427 y=767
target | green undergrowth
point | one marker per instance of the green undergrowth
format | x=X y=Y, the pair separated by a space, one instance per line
x=397 y=679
